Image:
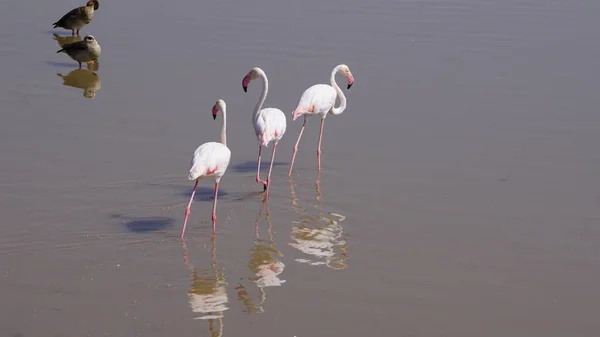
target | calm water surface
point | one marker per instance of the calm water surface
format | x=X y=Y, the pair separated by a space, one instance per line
x=459 y=196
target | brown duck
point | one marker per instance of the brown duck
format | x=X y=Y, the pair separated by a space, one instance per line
x=78 y=17
x=86 y=50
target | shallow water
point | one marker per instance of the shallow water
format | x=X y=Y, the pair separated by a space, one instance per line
x=459 y=192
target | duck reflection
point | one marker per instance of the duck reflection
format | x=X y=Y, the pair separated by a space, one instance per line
x=264 y=263
x=84 y=79
x=325 y=243
x=63 y=40
x=208 y=293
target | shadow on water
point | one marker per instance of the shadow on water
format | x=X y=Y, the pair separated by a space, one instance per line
x=93 y=66
x=145 y=224
x=63 y=64
x=251 y=166
x=207 y=296
x=203 y=193
x=247 y=195
x=320 y=236
x=61 y=33
x=265 y=265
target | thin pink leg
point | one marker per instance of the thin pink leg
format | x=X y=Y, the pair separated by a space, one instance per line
x=187 y=209
x=319 y=148
x=296 y=147
x=214 y=215
x=270 y=168
x=258 y=180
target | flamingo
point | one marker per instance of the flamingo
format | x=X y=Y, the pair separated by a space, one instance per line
x=320 y=100
x=269 y=123
x=210 y=161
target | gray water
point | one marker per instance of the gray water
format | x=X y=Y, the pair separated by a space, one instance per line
x=459 y=194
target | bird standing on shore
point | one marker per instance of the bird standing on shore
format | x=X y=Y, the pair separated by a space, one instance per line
x=86 y=50
x=78 y=17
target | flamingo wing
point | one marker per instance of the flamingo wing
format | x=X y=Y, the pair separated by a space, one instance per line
x=316 y=100
x=270 y=124
x=210 y=159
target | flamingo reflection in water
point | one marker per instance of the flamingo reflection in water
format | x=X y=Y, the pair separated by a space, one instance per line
x=263 y=263
x=208 y=293
x=327 y=242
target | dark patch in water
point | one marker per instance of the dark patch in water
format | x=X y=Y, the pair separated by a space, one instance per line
x=149 y=224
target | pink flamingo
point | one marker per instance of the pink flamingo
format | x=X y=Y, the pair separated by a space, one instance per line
x=320 y=100
x=269 y=123
x=210 y=161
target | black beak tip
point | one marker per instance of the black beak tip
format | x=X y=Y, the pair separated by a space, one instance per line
x=245 y=88
x=214 y=116
x=349 y=85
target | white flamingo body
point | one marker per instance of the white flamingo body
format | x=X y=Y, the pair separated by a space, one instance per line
x=269 y=123
x=269 y=126
x=317 y=100
x=320 y=100
x=210 y=160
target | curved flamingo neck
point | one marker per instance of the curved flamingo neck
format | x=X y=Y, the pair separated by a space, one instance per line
x=340 y=93
x=224 y=126
x=263 y=96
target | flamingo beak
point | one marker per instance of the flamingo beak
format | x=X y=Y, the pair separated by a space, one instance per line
x=350 y=81
x=245 y=82
x=215 y=111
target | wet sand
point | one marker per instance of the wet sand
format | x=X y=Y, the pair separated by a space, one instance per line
x=459 y=194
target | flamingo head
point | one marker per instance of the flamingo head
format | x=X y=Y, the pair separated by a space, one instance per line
x=219 y=106
x=345 y=71
x=251 y=75
x=93 y=3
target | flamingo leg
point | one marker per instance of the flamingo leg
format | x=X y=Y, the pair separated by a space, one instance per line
x=296 y=147
x=319 y=148
x=214 y=214
x=187 y=209
x=270 y=168
x=258 y=180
